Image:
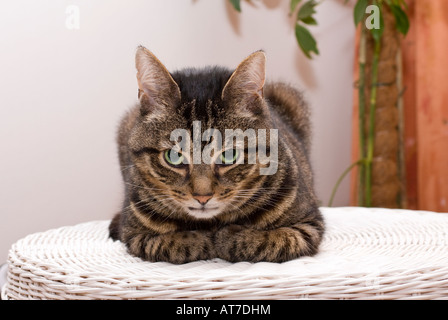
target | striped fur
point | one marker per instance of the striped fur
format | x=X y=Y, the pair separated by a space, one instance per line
x=260 y=218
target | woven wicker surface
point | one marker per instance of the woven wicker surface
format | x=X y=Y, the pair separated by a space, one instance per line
x=366 y=254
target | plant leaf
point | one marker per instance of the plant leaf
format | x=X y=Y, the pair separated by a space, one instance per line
x=360 y=10
x=293 y=5
x=401 y=19
x=307 y=10
x=236 y=4
x=306 y=41
x=309 y=20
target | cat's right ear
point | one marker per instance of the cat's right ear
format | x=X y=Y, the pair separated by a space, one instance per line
x=247 y=81
x=157 y=89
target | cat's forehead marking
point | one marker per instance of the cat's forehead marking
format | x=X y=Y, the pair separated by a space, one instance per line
x=208 y=110
x=196 y=111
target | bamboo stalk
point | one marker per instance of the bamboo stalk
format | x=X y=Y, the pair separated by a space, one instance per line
x=341 y=178
x=401 y=154
x=362 y=101
x=371 y=133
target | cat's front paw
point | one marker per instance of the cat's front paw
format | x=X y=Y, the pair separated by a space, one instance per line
x=175 y=247
x=237 y=243
x=230 y=242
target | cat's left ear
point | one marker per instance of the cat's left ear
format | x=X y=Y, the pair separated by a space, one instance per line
x=154 y=81
x=247 y=81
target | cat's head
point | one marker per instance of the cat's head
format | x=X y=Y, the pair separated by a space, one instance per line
x=207 y=177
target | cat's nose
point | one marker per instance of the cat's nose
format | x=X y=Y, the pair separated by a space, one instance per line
x=202 y=198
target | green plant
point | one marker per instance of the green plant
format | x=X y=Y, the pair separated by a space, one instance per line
x=397 y=8
x=304 y=12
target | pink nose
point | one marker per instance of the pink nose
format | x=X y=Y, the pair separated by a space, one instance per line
x=203 y=198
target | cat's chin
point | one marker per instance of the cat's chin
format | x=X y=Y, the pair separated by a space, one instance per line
x=204 y=213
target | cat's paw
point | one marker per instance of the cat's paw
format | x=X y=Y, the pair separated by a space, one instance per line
x=226 y=233
x=229 y=242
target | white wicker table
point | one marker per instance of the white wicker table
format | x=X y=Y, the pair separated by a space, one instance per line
x=366 y=254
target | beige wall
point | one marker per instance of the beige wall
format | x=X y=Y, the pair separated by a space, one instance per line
x=63 y=91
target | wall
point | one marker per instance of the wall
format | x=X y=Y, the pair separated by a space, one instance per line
x=62 y=92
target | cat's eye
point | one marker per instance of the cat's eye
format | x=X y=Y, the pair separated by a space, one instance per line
x=229 y=156
x=174 y=158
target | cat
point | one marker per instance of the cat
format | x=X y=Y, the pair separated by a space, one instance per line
x=178 y=212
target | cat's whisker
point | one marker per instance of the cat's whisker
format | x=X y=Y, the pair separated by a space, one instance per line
x=172 y=209
x=144 y=187
x=127 y=167
x=147 y=200
x=271 y=188
x=234 y=206
x=257 y=200
x=279 y=193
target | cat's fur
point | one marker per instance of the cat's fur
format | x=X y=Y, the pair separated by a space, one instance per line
x=258 y=217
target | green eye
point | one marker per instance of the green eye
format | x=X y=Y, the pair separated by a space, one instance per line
x=229 y=156
x=174 y=158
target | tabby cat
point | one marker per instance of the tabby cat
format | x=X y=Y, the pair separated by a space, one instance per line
x=179 y=211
